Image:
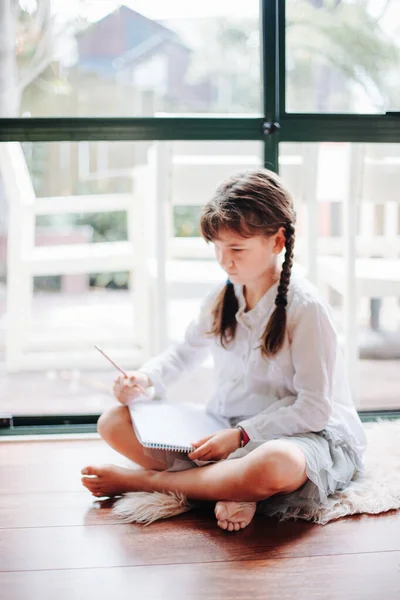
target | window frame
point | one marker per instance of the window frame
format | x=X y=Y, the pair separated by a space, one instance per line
x=286 y=127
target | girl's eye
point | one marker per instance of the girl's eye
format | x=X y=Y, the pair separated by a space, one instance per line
x=237 y=249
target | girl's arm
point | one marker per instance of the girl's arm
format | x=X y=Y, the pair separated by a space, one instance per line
x=314 y=349
x=168 y=366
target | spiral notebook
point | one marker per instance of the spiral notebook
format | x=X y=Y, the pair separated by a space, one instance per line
x=171 y=426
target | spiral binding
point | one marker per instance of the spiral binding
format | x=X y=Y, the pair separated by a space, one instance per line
x=168 y=447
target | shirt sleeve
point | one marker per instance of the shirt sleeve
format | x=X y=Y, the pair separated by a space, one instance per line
x=167 y=367
x=314 y=348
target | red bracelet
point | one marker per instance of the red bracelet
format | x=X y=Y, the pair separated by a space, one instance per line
x=244 y=438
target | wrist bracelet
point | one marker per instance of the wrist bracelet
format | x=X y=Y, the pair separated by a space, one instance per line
x=244 y=438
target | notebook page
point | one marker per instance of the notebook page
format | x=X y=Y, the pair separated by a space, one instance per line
x=170 y=426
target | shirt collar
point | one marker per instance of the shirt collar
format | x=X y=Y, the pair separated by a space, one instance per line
x=262 y=305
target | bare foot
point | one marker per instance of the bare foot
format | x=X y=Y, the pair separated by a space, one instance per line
x=234 y=515
x=110 y=480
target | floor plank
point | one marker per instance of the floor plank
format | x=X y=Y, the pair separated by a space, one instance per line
x=353 y=577
x=167 y=542
x=45 y=467
x=55 y=509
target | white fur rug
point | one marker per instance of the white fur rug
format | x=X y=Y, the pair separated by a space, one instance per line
x=377 y=491
x=146 y=507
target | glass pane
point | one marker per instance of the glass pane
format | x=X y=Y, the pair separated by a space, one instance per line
x=342 y=56
x=84 y=223
x=196 y=169
x=329 y=183
x=104 y=58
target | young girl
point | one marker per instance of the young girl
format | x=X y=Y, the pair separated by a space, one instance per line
x=280 y=379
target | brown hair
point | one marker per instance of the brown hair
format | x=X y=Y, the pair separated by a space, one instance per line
x=251 y=203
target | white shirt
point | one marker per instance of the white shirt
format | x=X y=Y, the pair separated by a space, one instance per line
x=302 y=389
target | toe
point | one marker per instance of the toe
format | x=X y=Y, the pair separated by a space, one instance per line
x=220 y=511
x=222 y=524
x=90 y=470
x=230 y=526
x=236 y=526
x=243 y=524
x=90 y=484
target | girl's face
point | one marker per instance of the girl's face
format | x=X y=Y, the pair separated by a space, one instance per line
x=247 y=260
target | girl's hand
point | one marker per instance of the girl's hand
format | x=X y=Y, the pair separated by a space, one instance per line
x=127 y=389
x=216 y=446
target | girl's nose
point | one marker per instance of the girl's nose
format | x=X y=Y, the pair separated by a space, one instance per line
x=225 y=261
x=224 y=258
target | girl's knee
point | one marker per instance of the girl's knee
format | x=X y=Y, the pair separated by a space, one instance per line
x=278 y=467
x=111 y=420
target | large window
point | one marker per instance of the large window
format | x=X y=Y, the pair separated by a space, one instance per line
x=117 y=121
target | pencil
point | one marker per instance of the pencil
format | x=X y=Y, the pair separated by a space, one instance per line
x=111 y=361
x=119 y=369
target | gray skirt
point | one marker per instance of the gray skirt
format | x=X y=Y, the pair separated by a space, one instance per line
x=330 y=466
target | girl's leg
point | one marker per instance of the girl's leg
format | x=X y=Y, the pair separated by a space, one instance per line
x=115 y=427
x=276 y=467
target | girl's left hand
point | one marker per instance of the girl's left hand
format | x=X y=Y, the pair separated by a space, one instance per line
x=217 y=446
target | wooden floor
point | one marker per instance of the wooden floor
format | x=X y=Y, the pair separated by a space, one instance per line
x=56 y=543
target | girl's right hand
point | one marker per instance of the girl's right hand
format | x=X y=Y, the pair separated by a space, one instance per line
x=127 y=389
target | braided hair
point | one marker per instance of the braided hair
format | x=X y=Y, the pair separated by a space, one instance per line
x=274 y=334
x=251 y=203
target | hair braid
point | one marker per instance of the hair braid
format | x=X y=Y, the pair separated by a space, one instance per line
x=274 y=334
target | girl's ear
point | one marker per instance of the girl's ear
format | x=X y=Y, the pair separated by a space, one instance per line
x=280 y=241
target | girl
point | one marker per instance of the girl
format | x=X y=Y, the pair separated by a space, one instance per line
x=280 y=379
